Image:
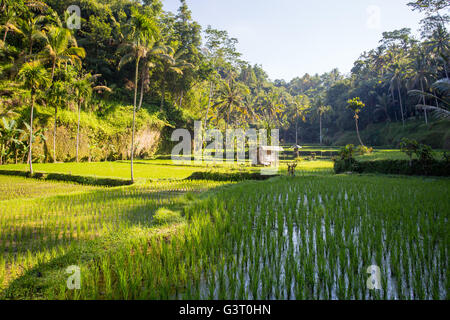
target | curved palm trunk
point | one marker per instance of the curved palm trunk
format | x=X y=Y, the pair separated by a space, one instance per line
x=424 y=102
x=30 y=153
x=357 y=131
x=54 y=135
x=141 y=99
x=4 y=36
x=53 y=69
x=134 y=118
x=78 y=129
x=401 y=104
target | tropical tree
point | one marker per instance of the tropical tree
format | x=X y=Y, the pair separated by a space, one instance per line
x=231 y=97
x=420 y=76
x=9 y=137
x=56 y=94
x=441 y=93
x=322 y=110
x=356 y=105
x=302 y=107
x=439 y=45
x=30 y=27
x=60 y=46
x=172 y=62
x=382 y=104
x=34 y=77
x=83 y=88
x=396 y=76
x=144 y=29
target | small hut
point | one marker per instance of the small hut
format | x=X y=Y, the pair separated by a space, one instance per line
x=267 y=155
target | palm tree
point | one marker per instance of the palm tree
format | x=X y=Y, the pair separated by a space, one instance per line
x=438 y=45
x=355 y=105
x=10 y=24
x=30 y=27
x=143 y=30
x=322 y=110
x=395 y=77
x=172 y=62
x=83 y=88
x=231 y=97
x=34 y=77
x=61 y=46
x=441 y=93
x=421 y=76
x=302 y=107
x=271 y=107
x=382 y=104
x=8 y=137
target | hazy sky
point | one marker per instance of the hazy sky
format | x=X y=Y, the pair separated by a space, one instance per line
x=292 y=37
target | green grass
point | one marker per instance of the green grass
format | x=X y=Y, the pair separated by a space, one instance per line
x=18 y=187
x=119 y=169
x=310 y=237
x=155 y=169
x=36 y=231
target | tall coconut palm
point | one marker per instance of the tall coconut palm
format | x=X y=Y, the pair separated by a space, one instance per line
x=395 y=76
x=60 y=46
x=231 y=97
x=439 y=45
x=302 y=107
x=355 y=105
x=143 y=30
x=420 y=76
x=30 y=27
x=34 y=77
x=321 y=111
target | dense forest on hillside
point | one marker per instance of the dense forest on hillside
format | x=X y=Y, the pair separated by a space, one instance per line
x=131 y=60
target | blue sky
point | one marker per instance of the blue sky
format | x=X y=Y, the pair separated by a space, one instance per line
x=292 y=37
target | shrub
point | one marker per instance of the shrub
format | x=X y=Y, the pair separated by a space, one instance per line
x=166 y=216
x=403 y=167
x=347 y=152
x=362 y=150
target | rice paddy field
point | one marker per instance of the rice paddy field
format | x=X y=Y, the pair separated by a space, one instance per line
x=313 y=236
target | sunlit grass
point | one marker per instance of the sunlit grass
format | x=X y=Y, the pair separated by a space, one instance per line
x=18 y=187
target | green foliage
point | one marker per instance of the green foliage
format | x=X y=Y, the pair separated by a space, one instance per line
x=363 y=150
x=398 y=167
x=347 y=152
x=165 y=216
